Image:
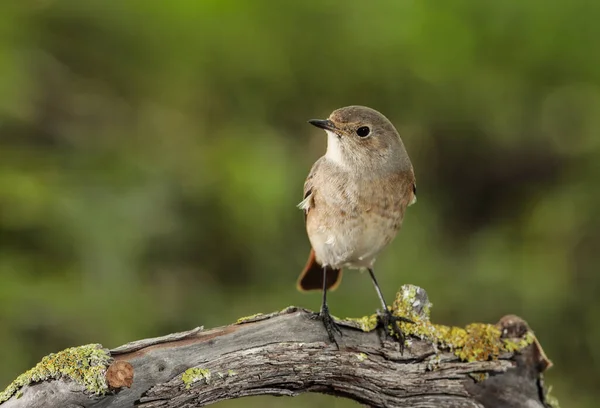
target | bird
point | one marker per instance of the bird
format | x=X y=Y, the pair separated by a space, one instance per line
x=355 y=198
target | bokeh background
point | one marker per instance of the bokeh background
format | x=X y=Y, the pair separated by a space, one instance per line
x=152 y=155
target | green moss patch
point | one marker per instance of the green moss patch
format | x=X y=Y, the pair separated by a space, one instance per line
x=85 y=365
x=475 y=342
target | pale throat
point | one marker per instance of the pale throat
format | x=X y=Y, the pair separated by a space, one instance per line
x=334 y=150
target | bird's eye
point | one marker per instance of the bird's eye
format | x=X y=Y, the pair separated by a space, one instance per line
x=363 y=131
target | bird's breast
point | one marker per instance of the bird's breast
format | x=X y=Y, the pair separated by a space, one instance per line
x=353 y=220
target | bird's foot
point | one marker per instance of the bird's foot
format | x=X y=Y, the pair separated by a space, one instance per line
x=391 y=326
x=330 y=326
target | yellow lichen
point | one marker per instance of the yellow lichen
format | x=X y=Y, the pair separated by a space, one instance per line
x=475 y=342
x=85 y=365
x=479 y=377
x=366 y=323
x=511 y=345
x=407 y=303
x=192 y=375
x=361 y=357
x=246 y=319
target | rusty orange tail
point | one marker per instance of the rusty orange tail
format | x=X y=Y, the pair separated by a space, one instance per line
x=311 y=277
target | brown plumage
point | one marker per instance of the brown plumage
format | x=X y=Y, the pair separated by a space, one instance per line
x=355 y=197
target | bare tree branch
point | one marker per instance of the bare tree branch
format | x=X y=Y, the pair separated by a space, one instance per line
x=288 y=353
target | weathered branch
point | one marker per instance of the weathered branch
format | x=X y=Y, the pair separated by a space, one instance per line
x=288 y=353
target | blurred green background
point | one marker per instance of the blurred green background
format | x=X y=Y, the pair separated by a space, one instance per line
x=152 y=155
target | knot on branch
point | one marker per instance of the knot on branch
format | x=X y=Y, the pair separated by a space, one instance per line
x=119 y=375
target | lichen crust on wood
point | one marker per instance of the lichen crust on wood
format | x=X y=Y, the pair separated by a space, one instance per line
x=85 y=365
x=475 y=342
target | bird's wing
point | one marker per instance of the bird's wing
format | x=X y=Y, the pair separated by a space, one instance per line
x=309 y=190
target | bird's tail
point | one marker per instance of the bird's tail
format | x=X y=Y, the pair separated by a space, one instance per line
x=311 y=277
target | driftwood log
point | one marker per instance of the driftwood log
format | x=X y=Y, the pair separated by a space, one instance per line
x=288 y=353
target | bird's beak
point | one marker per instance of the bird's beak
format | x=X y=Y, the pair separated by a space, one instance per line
x=325 y=124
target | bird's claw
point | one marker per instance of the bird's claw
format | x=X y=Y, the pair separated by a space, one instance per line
x=330 y=326
x=391 y=326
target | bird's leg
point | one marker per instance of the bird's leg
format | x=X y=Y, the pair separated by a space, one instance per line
x=388 y=319
x=324 y=315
